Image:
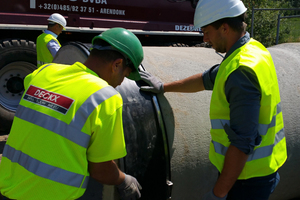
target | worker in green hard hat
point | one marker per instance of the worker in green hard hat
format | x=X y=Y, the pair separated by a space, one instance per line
x=124 y=42
x=248 y=143
x=69 y=122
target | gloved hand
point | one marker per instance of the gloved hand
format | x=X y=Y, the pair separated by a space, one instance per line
x=130 y=188
x=211 y=196
x=155 y=85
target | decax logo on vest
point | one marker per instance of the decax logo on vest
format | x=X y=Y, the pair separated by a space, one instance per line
x=46 y=95
x=48 y=99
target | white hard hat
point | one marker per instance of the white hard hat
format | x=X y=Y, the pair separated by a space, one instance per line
x=59 y=19
x=209 y=11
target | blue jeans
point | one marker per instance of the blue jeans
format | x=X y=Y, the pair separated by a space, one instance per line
x=258 y=188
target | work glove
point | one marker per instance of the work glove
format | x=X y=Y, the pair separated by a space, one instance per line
x=155 y=85
x=130 y=188
x=211 y=196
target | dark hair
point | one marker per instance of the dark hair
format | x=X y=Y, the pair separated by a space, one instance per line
x=107 y=55
x=51 y=24
x=236 y=23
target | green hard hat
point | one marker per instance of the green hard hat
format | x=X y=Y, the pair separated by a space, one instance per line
x=127 y=44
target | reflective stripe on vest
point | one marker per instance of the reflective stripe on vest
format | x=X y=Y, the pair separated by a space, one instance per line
x=70 y=131
x=257 y=153
x=44 y=170
x=262 y=128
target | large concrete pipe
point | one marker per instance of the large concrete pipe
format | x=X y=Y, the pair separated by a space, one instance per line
x=186 y=118
x=287 y=61
x=168 y=138
x=146 y=141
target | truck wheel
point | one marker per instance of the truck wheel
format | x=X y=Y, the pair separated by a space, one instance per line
x=17 y=59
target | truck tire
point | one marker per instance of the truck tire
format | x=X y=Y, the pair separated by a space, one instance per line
x=17 y=59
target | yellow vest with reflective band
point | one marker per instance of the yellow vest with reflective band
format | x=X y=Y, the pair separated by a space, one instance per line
x=44 y=56
x=271 y=153
x=61 y=115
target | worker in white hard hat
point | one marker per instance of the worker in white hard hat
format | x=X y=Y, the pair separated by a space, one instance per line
x=47 y=44
x=248 y=143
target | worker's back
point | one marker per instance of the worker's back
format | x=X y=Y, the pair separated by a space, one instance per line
x=44 y=56
x=49 y=159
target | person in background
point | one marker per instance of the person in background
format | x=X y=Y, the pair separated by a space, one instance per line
x=68 y=125
x=47 y=44
x=248 y=143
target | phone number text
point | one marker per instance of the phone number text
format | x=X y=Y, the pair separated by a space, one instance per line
x=71 y=8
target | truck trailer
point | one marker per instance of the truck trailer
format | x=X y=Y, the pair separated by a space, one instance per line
x=155 y=22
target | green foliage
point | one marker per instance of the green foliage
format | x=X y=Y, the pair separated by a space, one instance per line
x=295 y=4
x=293 y=25
x=265 y=21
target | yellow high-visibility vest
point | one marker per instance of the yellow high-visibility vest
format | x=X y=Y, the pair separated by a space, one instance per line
x=44 y=56
x=66 y=117
x=271 y=153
